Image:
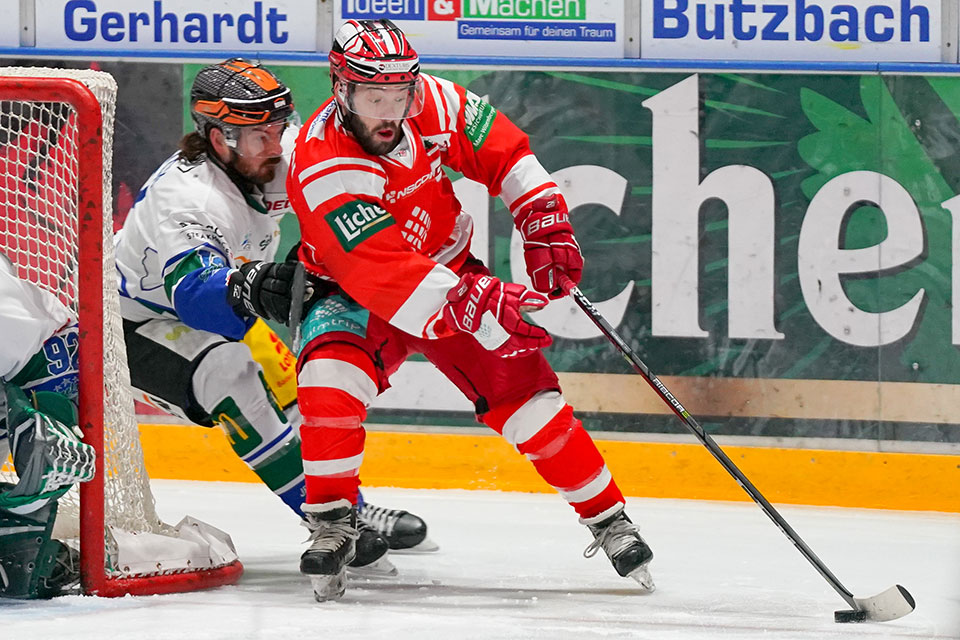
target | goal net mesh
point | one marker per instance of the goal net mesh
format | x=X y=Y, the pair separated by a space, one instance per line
x=39 y=234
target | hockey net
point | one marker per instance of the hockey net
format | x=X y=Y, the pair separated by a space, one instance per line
x=56 y=227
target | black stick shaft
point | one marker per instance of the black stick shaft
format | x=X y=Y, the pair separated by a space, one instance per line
x=297 y=289
x=707 y=441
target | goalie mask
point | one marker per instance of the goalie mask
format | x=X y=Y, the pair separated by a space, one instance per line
x=375 y=71
x=248 y=103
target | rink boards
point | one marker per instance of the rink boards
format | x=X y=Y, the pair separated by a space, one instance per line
x=475 y=459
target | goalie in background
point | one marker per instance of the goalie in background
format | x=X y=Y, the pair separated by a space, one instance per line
x=195 y=260
x=38 y=376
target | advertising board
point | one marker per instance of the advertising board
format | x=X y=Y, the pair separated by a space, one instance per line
x=821 y=30
x=257 y=25
x=527 y=28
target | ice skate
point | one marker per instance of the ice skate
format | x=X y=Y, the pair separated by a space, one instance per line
x=403 y=531
x=372 y=559
x=333 y=535
x=620 y=540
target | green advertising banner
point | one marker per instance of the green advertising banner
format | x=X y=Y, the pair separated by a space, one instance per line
x=777 y=247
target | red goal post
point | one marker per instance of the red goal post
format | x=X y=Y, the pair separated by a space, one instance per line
x=56 y=140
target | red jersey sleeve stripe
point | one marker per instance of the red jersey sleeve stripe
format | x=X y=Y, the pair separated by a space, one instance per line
x=356 y=183
x=524 y=179
x=434 y=93
x=340 y=167
x=369 y=165
x=415 y=314
x=451 y=102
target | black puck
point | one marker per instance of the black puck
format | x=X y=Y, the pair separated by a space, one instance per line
x=849 y=615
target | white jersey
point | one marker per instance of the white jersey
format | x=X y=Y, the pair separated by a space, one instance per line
x=189 y=208
x=29 y=316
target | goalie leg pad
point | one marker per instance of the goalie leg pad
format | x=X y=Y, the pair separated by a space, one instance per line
x=32 y=565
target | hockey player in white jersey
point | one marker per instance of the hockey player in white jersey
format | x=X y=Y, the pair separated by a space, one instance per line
x=38 y=389
x=195 y=261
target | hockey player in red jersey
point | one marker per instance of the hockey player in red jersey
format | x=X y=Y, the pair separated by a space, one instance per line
x=378 y=216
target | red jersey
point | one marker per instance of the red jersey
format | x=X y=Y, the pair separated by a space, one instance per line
x=388 y=228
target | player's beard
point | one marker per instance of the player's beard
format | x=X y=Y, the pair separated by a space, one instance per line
x=370 y=139
x=257 y=171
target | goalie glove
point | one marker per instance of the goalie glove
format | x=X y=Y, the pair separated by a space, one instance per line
x=48 y=455
x=549 y=248
x=490 y=310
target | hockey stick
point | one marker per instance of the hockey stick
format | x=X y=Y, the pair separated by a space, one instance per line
x=297 y=291
x=891 y=604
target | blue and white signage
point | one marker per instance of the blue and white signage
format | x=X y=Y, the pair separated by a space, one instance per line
x=260 y=25
x=820 y=30
x=525 y=28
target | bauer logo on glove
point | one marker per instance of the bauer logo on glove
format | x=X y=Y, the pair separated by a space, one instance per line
x=491 y=311
x=549 y=248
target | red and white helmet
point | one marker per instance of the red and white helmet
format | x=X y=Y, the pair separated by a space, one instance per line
x=375 y=52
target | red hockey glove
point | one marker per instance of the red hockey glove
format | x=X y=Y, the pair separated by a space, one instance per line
x=490 y=309
x=549 y=247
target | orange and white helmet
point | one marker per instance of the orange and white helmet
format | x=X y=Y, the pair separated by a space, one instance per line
x=236 y=94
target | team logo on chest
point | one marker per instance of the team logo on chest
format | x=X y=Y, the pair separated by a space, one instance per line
x=416 y=228
x=356 y=221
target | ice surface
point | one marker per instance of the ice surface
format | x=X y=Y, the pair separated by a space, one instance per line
x=510 y=566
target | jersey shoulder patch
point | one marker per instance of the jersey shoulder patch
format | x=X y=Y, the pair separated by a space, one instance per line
x=478 y=115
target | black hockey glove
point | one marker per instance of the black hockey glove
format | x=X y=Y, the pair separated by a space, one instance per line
x=261 y=289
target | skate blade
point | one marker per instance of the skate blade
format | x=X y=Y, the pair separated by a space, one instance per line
x=326 y=588
x=642 y=576
x=379 y=568
x=425 y=546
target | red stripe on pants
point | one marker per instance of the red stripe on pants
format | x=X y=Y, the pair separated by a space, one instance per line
x=332 y=428
x=564 y=455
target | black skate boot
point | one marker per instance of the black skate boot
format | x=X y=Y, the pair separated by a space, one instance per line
x=333 y=535
x=403 y=531
x=372 y=560
x=620 y=540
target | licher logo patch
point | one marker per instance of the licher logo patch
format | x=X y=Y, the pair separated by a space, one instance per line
x=479 y=116
x=356 y=221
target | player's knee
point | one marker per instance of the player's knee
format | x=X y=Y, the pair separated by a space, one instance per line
x=540 y=426
x=228 y=386
x=226 y=370
x=336 y=380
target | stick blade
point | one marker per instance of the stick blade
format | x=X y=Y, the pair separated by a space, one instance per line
x=892 y=604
